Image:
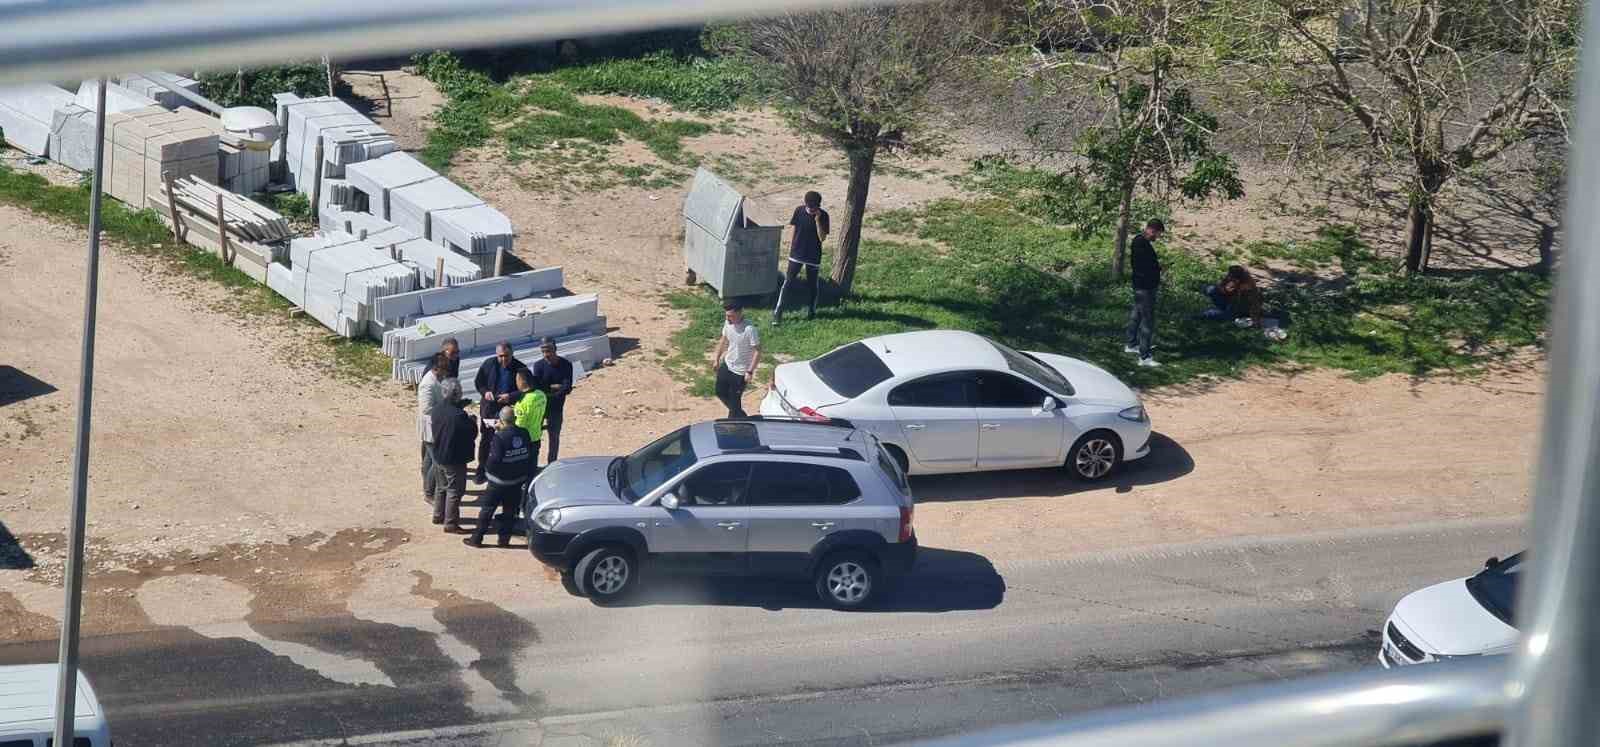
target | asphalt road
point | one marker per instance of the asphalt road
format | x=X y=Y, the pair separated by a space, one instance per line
x=963 y=645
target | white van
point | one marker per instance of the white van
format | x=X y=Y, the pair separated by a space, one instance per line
x=28 y=707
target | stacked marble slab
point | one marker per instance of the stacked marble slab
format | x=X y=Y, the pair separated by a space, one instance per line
x=118 y=99
x=162 y=95
x=336 y=278
x=142 y=144
x=403 y=245
x=485 y=326
x=26 y=114
x=404 y=309
x=403 y=190
x=346 y=136
x=72 y=137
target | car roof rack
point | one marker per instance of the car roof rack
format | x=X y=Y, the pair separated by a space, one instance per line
x=842 y=452
x=828 y=421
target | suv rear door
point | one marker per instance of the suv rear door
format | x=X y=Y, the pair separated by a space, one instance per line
x=708 y=532
x=793 y=505
x=937 y=421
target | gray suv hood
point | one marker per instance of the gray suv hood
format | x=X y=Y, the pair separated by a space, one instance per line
x=575 y=482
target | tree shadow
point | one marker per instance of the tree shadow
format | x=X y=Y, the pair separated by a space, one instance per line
x=13 y=556
x=16 y=386
x=1167 y=461
x=941 y=581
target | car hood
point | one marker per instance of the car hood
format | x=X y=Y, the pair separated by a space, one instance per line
x=1091 y=384
x=1445 y=619
x=575 y=482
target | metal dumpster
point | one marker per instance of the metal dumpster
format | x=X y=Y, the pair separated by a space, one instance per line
x=722 y=247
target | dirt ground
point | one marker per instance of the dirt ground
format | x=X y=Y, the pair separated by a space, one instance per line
x=218 y=454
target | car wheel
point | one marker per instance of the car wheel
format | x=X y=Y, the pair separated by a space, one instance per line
x=847 y=580
x=606 y=574
x=1095 y=456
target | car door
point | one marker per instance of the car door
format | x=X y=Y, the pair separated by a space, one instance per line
x=793 y=505
x=937 y=421
x=708 y=531
x=1014 y=429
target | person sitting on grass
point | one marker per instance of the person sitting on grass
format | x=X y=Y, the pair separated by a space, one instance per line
x=1236 y=297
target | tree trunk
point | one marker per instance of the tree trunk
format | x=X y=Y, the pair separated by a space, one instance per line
x=855 y=210
x=1124 y=224
x=1421 y=224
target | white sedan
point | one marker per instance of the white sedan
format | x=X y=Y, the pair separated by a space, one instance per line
x=1470 y=616
x=949 y=401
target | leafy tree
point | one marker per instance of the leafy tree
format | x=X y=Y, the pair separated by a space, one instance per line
x=860 y=79
x=1132 y=63
x=1432 y=88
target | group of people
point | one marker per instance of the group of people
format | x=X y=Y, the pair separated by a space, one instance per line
x=517 y=406
x=1236 y=296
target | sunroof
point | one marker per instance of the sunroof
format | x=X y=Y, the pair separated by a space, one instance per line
x=736 y=436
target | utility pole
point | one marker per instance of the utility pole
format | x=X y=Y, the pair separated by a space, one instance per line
x=67 y=685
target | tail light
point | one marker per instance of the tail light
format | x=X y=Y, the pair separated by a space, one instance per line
x=811 y=414
x=906 y=533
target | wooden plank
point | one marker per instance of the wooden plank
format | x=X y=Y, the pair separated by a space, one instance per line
x=499 y=261
x=438 y=273
x=316 y=185
x=178 y=231
x=222 y=230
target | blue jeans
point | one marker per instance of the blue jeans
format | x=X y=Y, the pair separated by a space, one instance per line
x=1219 y=304
x=1142 y=321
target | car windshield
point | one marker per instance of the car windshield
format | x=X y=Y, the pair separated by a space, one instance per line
x=646 y=469
x=851 y=370
x=1033 y=368
x=1496 y=588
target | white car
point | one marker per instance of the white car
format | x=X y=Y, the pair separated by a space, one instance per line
x=949 y=401
x=1470 y=616
x=28 y=708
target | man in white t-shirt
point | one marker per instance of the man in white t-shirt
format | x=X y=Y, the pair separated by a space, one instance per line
x=735 y=358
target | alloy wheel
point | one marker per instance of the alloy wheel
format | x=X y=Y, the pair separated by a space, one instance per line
x=609 y=575
x=1095 y=458
x=849 y=582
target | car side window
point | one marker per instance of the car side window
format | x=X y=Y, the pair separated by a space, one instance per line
x=1004 y=390
x=721 y=484
x=800 y=484
x=939 y=390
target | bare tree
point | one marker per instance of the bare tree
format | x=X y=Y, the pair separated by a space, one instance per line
x=1132 y=62
x=860 y=79
x=1433 y=87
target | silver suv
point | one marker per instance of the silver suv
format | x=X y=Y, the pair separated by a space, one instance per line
x=751 y=496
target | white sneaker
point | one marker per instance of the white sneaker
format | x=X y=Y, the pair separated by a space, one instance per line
x=1130 y=349
x=1148 y=363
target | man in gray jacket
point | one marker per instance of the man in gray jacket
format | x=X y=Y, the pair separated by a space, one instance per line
x=436 y=389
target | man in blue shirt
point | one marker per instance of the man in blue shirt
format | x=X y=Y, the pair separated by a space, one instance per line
x=496 y=383
x=552 y=374
x=811 y=226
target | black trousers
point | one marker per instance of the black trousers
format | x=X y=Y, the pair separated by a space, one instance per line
x=552 y=428
x=789 y=277
x=1142 y=321
x=485 y=439
x=730 y=390
x=506 y=498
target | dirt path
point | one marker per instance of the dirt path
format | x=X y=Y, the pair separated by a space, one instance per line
x=217 y=454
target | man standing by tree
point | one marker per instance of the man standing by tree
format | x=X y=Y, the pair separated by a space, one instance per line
x=811 y=226
x=1146 y=281
x=734 y=360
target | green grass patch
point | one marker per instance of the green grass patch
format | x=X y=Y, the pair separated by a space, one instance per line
x=540 y=119
x=687 y=82
x=141 y=233
x=987 y=266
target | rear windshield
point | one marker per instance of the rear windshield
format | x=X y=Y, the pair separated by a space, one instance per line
x=850 y=370
x=1496 y=589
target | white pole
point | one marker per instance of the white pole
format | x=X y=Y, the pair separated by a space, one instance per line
x=67 y=685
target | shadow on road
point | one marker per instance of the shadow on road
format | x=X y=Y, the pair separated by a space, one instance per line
x=16 y=386
x=1167 y=461
x=942 y=581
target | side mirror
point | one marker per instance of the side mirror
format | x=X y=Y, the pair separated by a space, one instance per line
x=1049 y=404
x=1493 y=561
x=669 y=501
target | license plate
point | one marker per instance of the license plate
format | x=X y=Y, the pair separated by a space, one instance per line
x=1394 y=655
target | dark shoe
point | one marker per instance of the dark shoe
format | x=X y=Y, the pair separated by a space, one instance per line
x=504 y=542
x=438 y=519
x=428 y=499
x=451 y=527
x=777 y=321
x=811 y=314
x=472 y=541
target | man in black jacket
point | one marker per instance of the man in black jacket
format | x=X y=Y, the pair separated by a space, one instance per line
x=1146 y=281
x=511 y=456
x=553 y=374
x=453 y=434
x=497 y=387
x=811 y=225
